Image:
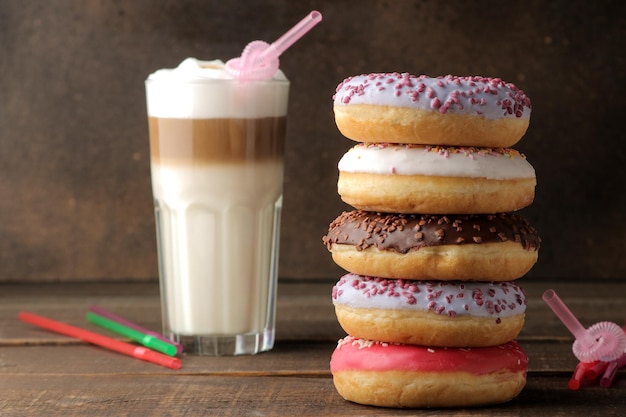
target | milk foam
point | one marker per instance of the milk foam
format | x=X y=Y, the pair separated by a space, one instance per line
x=204 y=90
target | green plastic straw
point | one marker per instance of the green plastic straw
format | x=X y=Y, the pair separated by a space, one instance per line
x=137 y=336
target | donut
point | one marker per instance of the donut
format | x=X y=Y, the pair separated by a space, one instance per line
x=488 y=247
x=436 y=180
x=429 y=313
x=450 y=110
x=396 y=375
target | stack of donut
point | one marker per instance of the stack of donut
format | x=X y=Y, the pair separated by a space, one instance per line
x=433 y=246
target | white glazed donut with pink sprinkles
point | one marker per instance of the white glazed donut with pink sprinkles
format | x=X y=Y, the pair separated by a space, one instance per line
x=430 y=313
x=448 y=110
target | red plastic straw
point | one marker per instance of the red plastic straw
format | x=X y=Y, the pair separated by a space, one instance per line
x=138 y=352
x=596 y=370
x=579 y=375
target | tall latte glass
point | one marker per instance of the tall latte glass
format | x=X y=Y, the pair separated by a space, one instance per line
x=217 y=157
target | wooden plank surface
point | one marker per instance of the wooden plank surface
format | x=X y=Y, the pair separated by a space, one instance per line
x=220 y=395
x=42 y=373
x=247 y=396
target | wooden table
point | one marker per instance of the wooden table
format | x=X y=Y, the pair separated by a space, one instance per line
x=44 y=374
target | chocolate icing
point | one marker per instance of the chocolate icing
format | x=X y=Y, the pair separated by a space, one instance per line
x=403 y=232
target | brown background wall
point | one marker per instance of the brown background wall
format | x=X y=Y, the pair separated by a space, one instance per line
x=75 y=197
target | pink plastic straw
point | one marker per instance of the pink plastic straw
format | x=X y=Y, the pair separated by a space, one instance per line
x=603 y=341
x=569 y=320
x=611 y=370
x=290 y=37
x=259 y=61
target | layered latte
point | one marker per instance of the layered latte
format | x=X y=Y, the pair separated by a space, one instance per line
x=217 y=157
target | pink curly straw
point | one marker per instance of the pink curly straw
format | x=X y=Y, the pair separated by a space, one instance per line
x=259 y=61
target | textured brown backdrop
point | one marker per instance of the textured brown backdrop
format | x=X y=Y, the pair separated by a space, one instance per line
x=75 y=197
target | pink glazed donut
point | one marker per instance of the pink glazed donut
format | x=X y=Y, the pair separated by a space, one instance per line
x=394 y=375
x=430 y=313
x=449 y=110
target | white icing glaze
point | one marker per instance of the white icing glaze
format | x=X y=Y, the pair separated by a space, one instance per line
x=491 y=98
x=487 y=163
x=203 y=89
x=450 y=298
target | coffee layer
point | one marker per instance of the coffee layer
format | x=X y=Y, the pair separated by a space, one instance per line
x=186 y=141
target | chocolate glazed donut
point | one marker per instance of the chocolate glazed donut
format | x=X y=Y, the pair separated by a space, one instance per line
x=493 y=247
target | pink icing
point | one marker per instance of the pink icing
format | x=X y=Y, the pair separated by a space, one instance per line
x=354 y=354
x=489 y=97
